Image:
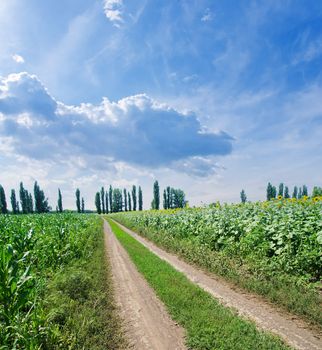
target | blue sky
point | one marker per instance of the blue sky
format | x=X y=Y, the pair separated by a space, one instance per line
x=209 y=96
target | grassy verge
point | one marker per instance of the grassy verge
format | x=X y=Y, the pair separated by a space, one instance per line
x=290 y=293
x=79 y=302
x=208 y=324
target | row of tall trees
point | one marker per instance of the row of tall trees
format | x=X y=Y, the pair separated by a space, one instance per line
x=28 y=204
x=172 y=198
x=80 y=203
x=283 y=191
x=115 y=200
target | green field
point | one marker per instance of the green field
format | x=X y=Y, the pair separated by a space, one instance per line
x=273 y=248
x=54 y=289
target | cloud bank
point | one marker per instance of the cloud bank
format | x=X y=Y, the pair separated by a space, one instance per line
x=136 y=130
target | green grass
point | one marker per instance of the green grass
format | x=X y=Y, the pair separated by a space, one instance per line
x=208 y=324
x=79 y=303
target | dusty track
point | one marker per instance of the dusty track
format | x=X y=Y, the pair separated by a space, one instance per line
x=147 y=323
x=294 y=331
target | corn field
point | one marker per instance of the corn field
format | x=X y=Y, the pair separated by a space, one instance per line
x=32 y=249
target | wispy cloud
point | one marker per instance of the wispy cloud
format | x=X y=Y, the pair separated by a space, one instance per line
x=207 y=16
x=17 y=58
x=137 y=130
x=310 y=52
x=113 y=10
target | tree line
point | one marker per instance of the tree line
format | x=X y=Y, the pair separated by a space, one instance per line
x=28 y=204
x=283 y=191
x=115 y=200
x=172 y=198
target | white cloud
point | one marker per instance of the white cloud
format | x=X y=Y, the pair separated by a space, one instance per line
x=207 y=16
x=135 y=130
x=18 y=58
x=113 y=10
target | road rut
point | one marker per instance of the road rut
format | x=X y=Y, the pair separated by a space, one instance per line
x=147 y=323
x=294 y=331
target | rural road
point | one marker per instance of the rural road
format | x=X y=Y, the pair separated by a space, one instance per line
x=147 y=323
x=293 y=330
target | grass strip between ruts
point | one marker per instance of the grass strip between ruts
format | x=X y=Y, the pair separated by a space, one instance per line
x=208 y=324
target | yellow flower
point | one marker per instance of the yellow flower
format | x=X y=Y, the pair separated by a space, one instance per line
x=305 y=198
x=316 y=199
x=279 y=197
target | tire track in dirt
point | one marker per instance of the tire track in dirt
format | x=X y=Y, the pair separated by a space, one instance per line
x=147 y=323
x=291 y=329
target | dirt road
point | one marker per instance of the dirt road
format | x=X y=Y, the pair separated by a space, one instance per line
x=147 y=323
x=294 y=331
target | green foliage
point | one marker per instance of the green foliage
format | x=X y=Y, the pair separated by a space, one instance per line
x=103 y=200
x=156 y=196
x=60 y=202
x=317 y=191
x=281 y=189
x=32 y=249
x=286 y=192
x=110 y=196
x=106 y=203
x=117 y=200
x=134 y=200
x=125 y=199
x=98 y=203
x=41 y=202
x=3 y=202
x=140 y=198
x=83 y=205
x=295 y=192
x=14 y=203
x=243 y=197
x=78 y=200
x=129 y=201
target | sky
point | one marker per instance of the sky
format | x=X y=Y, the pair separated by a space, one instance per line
x=209 y=96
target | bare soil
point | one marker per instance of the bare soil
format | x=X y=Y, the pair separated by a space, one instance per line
x=293 y=330
x=146 y=321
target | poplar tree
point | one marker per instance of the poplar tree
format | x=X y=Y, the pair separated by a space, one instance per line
x=134 y=197
x=102 y=200
x=281 y=189
x=3 y=202
x=110 y=194
x=286 y=192
x=98 y=203
x=269 y=191
x=299 y=196
x=117 y=200
x=295 y=192
x=169 y=197
x=129 y=201
x=305 y=191
x=156 y=196
x=106 y=202
x=41 y=202
x=30 y=203
x=125 y=199
x=140 y=198
x=243 y=196
x=14 y=203
x=78 y=201
x=165 y=200
x=60 y=202
x=83 y=205
x=23 y=199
